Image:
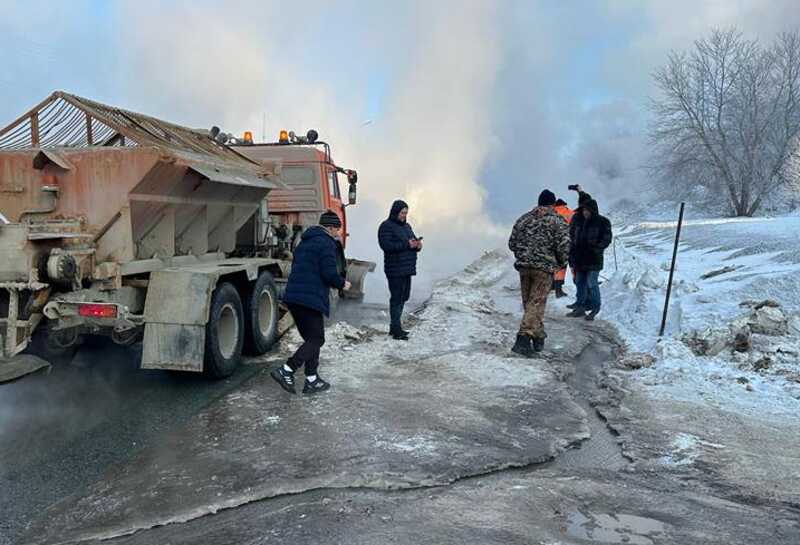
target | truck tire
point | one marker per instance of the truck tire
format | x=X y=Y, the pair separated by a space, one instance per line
x=261 y=315
x=224 y=332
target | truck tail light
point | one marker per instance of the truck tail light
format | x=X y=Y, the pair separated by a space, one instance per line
x=96 y=310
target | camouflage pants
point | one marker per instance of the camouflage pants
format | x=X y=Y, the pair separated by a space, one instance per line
x=535 y=286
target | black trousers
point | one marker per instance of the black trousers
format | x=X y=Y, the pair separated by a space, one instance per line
x=400 y=292
x=311 y=325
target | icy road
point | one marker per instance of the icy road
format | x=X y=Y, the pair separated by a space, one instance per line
x=445 y=439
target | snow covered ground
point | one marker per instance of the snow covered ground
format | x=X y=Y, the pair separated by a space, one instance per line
x=696 y=359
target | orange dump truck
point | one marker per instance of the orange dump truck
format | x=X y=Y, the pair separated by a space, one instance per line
x=118 y=224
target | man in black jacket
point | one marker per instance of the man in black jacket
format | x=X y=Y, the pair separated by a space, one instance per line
x=574 y=225
x=400 y=248
x=592 y=236
x=311 y=279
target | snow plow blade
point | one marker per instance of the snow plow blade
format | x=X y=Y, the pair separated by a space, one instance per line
x=21 y=365
x=356 y=271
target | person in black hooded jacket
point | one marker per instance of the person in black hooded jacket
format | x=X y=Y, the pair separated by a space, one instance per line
x=575 y=223
x=400 y=248
x=592 y=237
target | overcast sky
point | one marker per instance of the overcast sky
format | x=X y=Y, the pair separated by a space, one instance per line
x=465 y=108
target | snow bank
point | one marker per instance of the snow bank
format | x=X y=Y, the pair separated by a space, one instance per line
x=722 y=344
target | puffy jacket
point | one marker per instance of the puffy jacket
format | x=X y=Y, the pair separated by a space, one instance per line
x=393 y=235
x=540 y=240
x=575 y=222
x=565 y=212
x=314 y=271
x=590 y=239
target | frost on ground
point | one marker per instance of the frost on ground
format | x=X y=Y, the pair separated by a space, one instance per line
x=451 y=403
x=720 y=392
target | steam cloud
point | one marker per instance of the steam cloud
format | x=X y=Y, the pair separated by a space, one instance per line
x=474 y=107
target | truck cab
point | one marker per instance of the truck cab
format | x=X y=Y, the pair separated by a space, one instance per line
x=314 y=183
x=314 y=179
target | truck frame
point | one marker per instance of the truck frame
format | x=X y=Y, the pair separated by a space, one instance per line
x=119 y=224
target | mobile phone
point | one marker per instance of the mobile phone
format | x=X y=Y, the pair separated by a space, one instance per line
x=573 y=187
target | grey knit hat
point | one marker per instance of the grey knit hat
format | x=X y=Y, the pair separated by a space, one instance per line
x=330 y=219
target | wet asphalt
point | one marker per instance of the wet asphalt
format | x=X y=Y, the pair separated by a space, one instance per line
x=62 y=430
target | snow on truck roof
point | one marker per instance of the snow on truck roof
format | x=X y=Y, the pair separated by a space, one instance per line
x=64 y=120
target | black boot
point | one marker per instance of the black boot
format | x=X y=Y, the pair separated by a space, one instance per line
x=284 y=378
x=316 y=387
x=577 y=312
x=522 y=346
x=560 y=292
x=537 y=345
x=398 y=334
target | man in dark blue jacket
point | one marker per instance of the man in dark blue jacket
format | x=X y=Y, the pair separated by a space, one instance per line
x=400 y=247
x=313 y=275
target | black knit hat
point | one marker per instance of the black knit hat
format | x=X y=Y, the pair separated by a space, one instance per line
x=547 y=198
x=561 y=202
x=330 y=219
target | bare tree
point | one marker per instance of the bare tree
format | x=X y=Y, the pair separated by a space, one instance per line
x=728 y=117
x=791 y=174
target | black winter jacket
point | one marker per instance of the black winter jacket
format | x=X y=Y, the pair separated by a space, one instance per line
x=393 y=235
x=577 y=218
x=314 y=271
x=590 y=238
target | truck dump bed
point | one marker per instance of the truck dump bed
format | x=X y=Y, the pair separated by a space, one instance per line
x=98 y=205
x=135 y=186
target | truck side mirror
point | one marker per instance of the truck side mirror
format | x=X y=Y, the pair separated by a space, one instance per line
x=352 y=179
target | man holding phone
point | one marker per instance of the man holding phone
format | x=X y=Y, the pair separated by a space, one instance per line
x=400 y=248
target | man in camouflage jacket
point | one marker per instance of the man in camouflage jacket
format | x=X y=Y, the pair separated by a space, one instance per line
x=540 y=242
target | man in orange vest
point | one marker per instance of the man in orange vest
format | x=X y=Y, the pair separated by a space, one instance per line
x=558 y=278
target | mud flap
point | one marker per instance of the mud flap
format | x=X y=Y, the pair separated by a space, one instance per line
x=176 y=312
x=356 y=272
x=285 y=324
x=21 y=365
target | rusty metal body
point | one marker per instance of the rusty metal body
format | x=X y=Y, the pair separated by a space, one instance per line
x=98 y=223
x=120 y=224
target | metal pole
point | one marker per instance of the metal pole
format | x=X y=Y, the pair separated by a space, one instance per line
x=672 y=271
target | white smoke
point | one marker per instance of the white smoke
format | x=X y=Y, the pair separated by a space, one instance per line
x=484 y=103
x=427 y=147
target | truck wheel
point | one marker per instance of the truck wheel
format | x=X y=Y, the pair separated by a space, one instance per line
x=224 y=332
x=261 y=316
